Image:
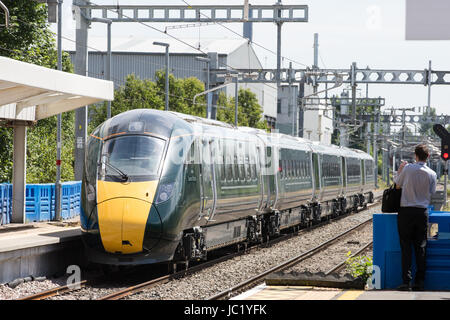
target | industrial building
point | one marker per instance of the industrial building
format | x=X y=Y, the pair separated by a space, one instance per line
x=141 y=57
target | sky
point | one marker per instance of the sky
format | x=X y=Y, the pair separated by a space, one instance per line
x=368 y=32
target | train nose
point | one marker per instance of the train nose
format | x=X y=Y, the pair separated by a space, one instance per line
x=123 y=213
x=122 y=224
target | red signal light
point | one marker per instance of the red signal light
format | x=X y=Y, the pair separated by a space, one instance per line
x=445 y=155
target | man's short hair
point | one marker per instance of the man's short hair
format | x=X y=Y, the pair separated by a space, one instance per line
x=422 y=152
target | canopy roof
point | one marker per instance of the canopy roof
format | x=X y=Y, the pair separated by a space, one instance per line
x=30 y=92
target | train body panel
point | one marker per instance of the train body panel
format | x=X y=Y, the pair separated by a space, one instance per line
x=161 y=186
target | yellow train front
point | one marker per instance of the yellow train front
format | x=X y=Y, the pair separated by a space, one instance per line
x=124 y=183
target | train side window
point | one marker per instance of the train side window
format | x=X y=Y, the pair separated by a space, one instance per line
x=289 y=168
x=235 y=168
x=302 y=169
x=280 y=168
x=293 y=169
x=229 y=168
x=247 y=168
x=241 y=168
x=268 y=157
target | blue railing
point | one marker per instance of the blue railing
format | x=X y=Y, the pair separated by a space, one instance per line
x=40 y=201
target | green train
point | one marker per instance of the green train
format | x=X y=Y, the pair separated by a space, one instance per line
x=161 y=186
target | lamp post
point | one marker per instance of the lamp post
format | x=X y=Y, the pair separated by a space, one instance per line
x=59 y=123
x=208 y=96
x=163 y=44
x=108 y=61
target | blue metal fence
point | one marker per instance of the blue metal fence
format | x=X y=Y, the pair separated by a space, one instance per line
x=5 y=203
x=40 y=201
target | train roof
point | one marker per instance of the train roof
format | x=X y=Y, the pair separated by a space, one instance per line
x=161 y=123
x=325 y=149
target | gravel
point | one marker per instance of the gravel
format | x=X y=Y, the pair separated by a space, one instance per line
x=222 y=276
x=213 y=280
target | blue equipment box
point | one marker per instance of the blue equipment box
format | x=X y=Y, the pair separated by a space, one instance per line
x=387 y=255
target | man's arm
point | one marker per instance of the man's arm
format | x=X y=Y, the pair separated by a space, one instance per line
x=398 y=180
x=433 y=184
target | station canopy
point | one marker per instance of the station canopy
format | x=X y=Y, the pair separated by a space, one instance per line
x=29 y=92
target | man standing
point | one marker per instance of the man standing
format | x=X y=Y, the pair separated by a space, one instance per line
x=418 y=183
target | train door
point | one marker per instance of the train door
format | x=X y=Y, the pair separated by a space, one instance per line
x=316 y=172
x=270 y=177
x=260 y=172
x=344 y=175
x=363 y=175
x=208 y=179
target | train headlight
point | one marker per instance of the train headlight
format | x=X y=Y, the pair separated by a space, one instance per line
x=164 y=193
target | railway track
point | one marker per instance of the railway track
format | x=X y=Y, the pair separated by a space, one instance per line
x=177 y=275
x=229 y=292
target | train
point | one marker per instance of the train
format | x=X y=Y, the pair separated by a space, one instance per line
x=165 y=187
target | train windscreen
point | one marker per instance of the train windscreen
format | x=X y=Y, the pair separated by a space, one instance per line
x=132 y=157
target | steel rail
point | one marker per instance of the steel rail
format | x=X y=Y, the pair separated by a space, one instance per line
x=164 y=279
x=342 y=264
x=55 y=291
x=287 y=264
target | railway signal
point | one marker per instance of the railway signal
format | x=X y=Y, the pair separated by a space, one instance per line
x=445 y=140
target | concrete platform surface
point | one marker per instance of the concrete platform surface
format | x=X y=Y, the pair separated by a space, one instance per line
x=16 y=237
x=39 y=249
x=264 y=292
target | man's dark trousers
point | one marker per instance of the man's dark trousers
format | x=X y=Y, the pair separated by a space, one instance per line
x=412 y=229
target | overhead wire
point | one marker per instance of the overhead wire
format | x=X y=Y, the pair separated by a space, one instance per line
x=180 y=40
x=253 y=42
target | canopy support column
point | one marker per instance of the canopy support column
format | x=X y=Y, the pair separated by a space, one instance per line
x=19 y=173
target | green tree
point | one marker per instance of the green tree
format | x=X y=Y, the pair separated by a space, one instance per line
x=138 y=94
x=29 y=39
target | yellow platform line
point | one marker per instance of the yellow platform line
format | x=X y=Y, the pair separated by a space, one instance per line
x=350 y=295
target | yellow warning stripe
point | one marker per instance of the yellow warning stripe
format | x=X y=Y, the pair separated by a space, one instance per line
x=350 y=295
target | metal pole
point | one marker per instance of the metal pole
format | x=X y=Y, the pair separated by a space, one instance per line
x=343 y=129
x=353 y=68
x=167 y=78
x=6 y=11
x=80 y=67
x=375 y=147
x=208 y=96
x=58 y=130
x=316 y=59
x=236 y=100
x=279 y=24
x=403 y=133
x=445 y=182
x=429 y=89
x=108 y=60
x=290 y=102
x=108 y=68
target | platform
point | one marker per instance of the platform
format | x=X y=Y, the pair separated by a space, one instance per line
x=38 y=249
x=264 y=292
